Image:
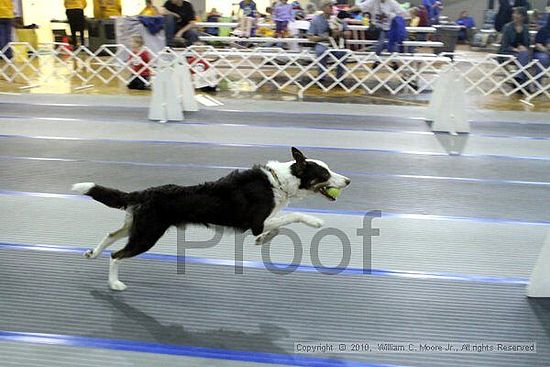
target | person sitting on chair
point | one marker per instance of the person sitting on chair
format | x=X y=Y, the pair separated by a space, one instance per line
x=320 y=33
x=542 y=49
x=466 y=22
x=179 y=23
x=516 y=40
x=139 y=63
x=213 y=17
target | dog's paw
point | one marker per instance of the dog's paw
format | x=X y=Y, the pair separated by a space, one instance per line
x=91 y=254
x=265 y=238
x=312 y=221
x=117 y=285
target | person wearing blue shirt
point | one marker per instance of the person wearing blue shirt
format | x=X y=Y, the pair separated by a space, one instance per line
x=466 y=22
x=321 y=34
x=542 y=49
x=434 y=8
x=248 y=7
x=248 y=11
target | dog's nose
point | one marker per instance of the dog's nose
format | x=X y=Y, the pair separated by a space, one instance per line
x=347 y=181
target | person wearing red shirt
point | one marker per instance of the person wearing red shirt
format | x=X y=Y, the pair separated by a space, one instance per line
x=139 y=62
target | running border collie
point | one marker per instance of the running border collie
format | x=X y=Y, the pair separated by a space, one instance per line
x=242 y=200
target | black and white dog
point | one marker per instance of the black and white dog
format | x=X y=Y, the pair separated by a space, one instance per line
x=242 y=200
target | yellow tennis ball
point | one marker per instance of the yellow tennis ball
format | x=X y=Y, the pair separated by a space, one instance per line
x=334 y=192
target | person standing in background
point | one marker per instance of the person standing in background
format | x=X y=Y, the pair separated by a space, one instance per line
x=504 y=14
x=6 y=24
x=104 y=9
x=150 y=10
x=282 y=14
x=247 y=18
x=433 y=7
x=382 y=13
x=74 y=9
x=522 y=3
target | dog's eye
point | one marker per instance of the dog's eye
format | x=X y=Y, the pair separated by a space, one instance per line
x=325 y=177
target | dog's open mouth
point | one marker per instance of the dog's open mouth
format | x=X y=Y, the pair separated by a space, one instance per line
x=330 y=193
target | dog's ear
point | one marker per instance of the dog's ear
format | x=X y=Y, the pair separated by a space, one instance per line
x=300 y=165
x=298 y=156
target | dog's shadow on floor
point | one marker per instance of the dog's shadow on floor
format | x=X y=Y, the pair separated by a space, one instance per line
x=176 y=334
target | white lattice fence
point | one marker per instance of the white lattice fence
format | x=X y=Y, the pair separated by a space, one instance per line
x=298 y=71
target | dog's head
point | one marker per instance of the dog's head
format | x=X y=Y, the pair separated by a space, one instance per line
x=315 y=176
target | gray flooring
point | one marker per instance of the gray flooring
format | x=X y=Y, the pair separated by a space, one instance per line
x=33 y=355
x=404 y=244
x=210 y=306
x=394 y=195
x=458 y=237
x=348 y=162
x=288 y=119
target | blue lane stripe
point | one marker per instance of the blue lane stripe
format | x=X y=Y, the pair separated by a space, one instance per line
x=180 y=350
x=419 y=275
x=237 y=145
x=360 y=213
x=222 y=167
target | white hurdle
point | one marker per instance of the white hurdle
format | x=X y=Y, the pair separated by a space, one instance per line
x=173 y=93
x=185 y=86
x=539 y=285
x=447 y=107
x=164 y=105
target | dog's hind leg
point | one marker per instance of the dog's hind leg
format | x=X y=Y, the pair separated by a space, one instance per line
x=110 y=238
x=142 y=237
x=114 y=283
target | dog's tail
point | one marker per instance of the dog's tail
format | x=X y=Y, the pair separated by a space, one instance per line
x=110 y=197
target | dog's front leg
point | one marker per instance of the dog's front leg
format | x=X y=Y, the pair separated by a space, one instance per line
x=272 y=225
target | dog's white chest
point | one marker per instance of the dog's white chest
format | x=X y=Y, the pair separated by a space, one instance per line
x=281 y=201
